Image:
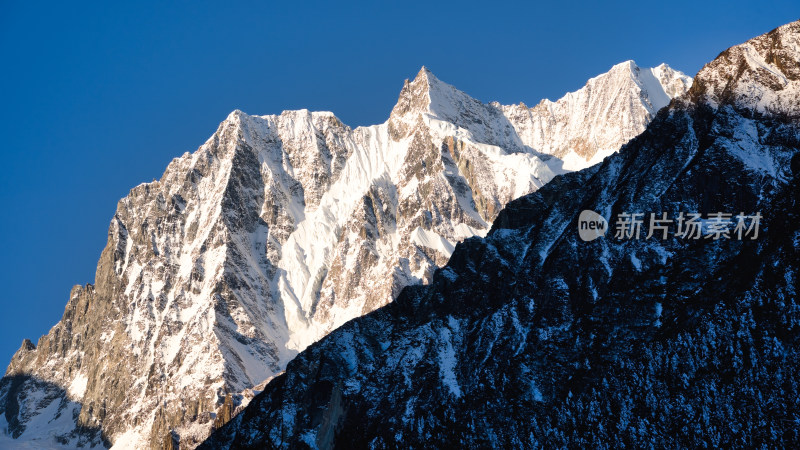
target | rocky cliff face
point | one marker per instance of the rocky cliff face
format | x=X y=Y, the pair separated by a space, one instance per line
x=274 y=232
x=532 y=337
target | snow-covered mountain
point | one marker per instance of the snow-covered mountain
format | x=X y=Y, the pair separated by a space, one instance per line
x=533 y=337
x=281 y=228
x=575 y=129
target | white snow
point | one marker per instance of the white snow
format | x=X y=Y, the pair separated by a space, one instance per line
x=78 y=387
x=448 y=362
x=637 y=263
x=658 y=314
x=537 y=394
x=129 y=440
x=750 y=151
x=432 y=240
x=48 y=421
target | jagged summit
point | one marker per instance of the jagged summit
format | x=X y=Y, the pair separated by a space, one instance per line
x=421 y=94
x=425 y=73
x=428 y=94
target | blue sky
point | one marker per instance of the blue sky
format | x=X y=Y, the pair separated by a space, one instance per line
x=97 y=98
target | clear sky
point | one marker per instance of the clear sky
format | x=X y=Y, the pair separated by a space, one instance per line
x=97 y=98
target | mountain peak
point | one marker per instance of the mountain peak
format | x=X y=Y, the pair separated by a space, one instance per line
x=622 y=69
x=761 y=75
x=426 y=94
x=660 y=84
x=424 y=73
x=422 y=85
x=628 y=64
x=414 y=95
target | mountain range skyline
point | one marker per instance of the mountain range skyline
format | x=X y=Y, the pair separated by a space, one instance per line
x=269 y=285
x=100 y=99
x=532 y=337
x=279 y=229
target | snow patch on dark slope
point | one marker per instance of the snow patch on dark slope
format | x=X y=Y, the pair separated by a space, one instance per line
x=531 y=337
